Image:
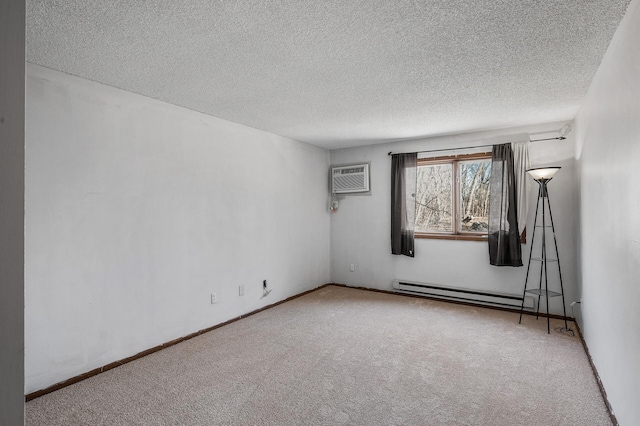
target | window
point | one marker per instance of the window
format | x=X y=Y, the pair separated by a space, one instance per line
x=452 y=197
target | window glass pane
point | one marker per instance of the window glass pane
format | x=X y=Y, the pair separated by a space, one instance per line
x=434 y=198
x=474 y=195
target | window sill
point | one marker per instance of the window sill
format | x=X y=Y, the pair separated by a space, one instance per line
x=457 y=237
x=462 y=237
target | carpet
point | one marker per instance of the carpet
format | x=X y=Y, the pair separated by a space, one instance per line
x=347 y=356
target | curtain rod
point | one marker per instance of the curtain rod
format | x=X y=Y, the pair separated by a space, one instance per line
x=560 y=138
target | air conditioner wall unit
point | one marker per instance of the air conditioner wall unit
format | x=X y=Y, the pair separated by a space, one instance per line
x=350 y=178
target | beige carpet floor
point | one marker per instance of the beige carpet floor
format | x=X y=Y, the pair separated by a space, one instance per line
x=347 y=356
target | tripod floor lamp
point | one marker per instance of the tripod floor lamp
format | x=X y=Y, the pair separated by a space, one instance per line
x=543 y=175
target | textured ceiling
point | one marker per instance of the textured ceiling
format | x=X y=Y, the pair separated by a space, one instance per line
x=337 y=73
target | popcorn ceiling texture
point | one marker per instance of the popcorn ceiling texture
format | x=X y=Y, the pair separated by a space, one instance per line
x=337 y=73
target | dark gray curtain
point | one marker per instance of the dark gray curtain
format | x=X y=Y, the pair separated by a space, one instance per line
x=504 y=241
x=403 y=202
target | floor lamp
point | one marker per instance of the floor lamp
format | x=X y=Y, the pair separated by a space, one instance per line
x=543 y=175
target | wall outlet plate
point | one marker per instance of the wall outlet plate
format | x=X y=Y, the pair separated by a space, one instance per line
x=214 y=298
x=241 y=290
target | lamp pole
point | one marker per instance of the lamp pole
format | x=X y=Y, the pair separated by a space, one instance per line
x=543 y=176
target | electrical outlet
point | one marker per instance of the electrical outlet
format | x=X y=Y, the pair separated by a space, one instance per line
x=352 y=267
x=241 y=290
x=214 y=298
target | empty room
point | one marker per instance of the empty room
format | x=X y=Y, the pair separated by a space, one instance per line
x=363 y=212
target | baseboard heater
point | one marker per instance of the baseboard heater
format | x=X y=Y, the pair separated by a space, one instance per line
x=464 y=295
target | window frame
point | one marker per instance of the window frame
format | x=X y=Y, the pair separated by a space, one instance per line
x=454 y=160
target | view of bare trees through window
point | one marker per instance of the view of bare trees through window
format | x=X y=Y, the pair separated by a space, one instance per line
x=437 y=196
x=474 y=194
x=434 y=206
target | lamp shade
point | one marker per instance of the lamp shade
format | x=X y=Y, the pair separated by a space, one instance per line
x=543 y=173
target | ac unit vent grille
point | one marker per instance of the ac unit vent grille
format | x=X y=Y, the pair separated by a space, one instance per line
x=341 y=183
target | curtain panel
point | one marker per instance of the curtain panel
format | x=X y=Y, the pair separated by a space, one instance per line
x=521 y=164
x=504 y=238
x=403 y=202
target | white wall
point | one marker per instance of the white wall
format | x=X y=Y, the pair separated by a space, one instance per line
x=12 y=41
x=360 y=230
x=608 y=149
x=137 y=210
